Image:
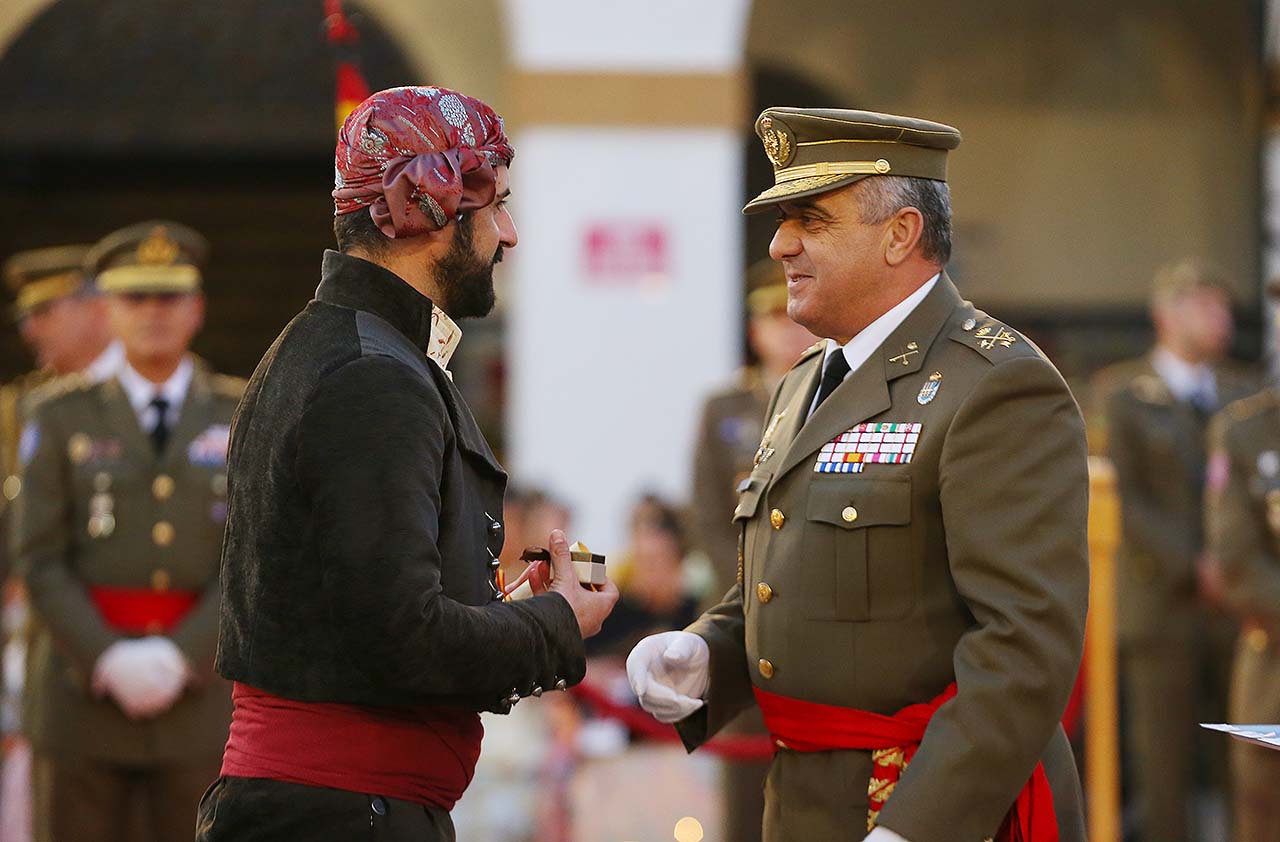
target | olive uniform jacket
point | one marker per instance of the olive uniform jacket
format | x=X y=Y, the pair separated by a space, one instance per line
x=1157 y=444
x=960 y=557
x=12 y=399
x=727 y=437
x=366 y=520
x=1243 y=525
x=99 y=507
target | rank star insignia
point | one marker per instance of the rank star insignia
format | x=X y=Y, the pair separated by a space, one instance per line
x=930 y=388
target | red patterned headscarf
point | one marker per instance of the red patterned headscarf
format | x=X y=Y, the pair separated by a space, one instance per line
x=417 y=157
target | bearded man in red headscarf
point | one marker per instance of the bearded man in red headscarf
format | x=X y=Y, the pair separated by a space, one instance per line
x=362 y=625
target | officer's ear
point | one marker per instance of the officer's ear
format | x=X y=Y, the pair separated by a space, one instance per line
x=902 y=234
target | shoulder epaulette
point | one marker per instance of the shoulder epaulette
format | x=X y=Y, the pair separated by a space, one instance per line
x=56 y=389
x=1246 y=408
x=228 y=386
x=992 y=338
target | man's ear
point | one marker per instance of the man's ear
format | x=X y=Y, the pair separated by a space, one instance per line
x=902 y=235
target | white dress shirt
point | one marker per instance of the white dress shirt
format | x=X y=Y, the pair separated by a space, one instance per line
x=860 y=348
x=1187 y=381
x=106 y=364
x=141 y=392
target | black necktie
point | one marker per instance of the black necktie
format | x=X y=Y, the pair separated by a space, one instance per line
x=833 y=375
x=160 y=432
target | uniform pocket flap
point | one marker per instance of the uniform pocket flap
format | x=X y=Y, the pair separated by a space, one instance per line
x=855 y=503
x=750 y=490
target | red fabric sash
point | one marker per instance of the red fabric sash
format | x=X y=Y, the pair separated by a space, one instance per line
x=142 y=610
x=426 y=755
x=798 y=725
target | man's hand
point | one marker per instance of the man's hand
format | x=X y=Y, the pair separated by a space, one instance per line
x=590 y=607
x=669 y=673
x=144 y=676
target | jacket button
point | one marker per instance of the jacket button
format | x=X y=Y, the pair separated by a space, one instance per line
x=12 y=487
x=536 y=692
x=764 y=593
x=777 y=518
x=378 y=805
x=160 y=581
x=850 y=514
x=162 y=487
x=1257 y=639
x=562 y=685
x=513 y=698
x=494 y=564
x=162 y=533
x=766 y=668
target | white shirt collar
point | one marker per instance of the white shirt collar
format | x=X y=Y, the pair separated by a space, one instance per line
x=105 y=366
x=445 y=336
x=141 y=391
x=860 y=348
x=1185 y=380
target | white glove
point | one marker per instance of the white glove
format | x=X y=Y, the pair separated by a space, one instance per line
x=145 y=676
x=883 y=834
x=669 y=673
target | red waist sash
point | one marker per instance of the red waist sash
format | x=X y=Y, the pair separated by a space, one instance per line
x=142 y=610
x=893 y=741
x=426 y=755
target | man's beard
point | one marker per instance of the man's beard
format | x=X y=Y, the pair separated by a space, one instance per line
x=464 y=279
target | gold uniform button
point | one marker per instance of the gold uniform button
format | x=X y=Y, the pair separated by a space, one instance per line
x=764 y=593
x=766 y=668
x=850 y=514
x=160 y=581
x=777 y=518
x=162 y=487
x=79 y=448
x=12 y=487
x=1258 y=639
x=162 y=533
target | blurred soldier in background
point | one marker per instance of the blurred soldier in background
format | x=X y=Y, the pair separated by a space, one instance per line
x=1243 y=530
x=119 y=532
x=727 y=440
x=732 y=421
x=65 y=326
x=1174 y=642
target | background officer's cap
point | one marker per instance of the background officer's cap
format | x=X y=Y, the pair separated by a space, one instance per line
x=150 y=257
x=42 y=276
x=766 y=288
x=1174 y=280
x=814 y=150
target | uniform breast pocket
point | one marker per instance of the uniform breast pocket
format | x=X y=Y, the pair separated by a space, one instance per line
x=857 y=544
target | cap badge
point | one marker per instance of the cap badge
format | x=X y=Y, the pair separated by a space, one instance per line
x=777 y=145
x=158 y=249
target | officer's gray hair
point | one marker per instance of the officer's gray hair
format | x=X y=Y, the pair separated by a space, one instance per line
x=884 y=195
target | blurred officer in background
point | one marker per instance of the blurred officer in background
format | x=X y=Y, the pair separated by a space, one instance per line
x=119 y=532
x=727 y=438
x=1175 y=643
x=1243 y=530
x=732 y=420
x=65 y=325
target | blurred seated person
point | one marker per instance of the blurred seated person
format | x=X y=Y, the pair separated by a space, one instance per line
x=655 y=595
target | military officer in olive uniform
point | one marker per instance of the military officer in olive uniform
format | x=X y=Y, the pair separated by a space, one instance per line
x=65 y=325
x=727 y=438
x=1175 y=641
x=910 y=608
x=1242 y=528
x=118 y=532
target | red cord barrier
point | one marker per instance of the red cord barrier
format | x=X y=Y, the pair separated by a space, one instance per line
x=741 y=747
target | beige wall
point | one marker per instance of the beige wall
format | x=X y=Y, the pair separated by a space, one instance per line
x=1101 y=138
